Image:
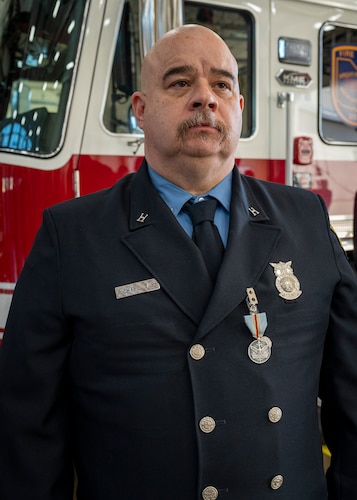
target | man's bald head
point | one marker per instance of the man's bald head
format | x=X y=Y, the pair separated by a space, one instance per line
x=169 y=43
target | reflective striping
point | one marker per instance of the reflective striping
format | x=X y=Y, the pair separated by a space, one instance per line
x=6 y=292
x=7 y=287
x=326 y=451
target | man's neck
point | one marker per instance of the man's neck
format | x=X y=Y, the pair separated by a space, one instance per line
x=196 y=177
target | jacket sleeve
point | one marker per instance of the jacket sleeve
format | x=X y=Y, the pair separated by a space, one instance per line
x=338 y=389
x=35 y=443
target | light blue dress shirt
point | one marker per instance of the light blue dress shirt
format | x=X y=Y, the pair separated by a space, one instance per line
x=175 y=197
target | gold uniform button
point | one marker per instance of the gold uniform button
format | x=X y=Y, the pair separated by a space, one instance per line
x=197 y=352
x=276 y=482
x=210 y=493
x=275 y=414
x=207 y=424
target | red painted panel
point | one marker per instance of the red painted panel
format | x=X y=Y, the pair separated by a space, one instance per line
x=25 y=192
x=101 y=171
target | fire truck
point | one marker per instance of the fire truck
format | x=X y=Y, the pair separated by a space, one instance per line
x=68 y=69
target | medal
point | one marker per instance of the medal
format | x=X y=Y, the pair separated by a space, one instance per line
x=286 y=283
x=259 y=350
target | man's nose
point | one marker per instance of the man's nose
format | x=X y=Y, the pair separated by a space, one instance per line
x=203 y=97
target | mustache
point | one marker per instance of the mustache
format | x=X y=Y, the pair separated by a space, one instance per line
x=202 y=118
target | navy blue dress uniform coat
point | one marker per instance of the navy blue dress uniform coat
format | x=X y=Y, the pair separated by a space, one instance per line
x=153 y=395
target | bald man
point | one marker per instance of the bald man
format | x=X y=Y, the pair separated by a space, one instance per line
x=190 y=108
x=126 y=359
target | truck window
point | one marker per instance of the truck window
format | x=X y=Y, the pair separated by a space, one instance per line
x=338 y=84
x=125 y=75
x=234 y=26
x=38 y=46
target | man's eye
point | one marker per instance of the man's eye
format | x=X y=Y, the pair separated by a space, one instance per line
x=180 y=83
x=222 y=85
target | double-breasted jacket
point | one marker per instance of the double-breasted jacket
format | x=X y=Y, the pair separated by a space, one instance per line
x=121 y=357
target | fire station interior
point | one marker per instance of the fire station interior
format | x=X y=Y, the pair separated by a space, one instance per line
x=34 y=93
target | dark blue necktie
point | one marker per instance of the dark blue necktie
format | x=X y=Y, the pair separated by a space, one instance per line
x=205 y=233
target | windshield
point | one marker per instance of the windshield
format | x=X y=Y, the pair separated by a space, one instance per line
x=38 y=47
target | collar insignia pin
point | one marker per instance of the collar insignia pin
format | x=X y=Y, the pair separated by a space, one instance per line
x=286 y=283
x=253 y=211
x=142 y=217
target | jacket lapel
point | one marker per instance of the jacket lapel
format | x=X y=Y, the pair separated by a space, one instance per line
x=251 y=242
x=163 y=247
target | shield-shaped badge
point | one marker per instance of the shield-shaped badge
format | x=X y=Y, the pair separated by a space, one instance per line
x=344 y=82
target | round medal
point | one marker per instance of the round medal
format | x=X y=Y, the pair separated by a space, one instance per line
x=259 y=351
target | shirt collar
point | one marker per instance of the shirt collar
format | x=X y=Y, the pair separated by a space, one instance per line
x=175 y=197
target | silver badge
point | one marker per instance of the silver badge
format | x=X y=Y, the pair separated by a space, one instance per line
x=259 y=351
x=287 y=284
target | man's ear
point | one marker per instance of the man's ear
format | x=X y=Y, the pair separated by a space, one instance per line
x=138 y=103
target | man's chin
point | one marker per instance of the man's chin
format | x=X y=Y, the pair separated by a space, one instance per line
x=201 y=143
